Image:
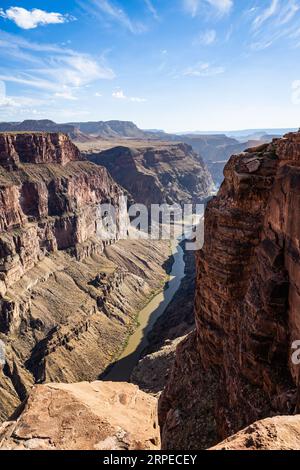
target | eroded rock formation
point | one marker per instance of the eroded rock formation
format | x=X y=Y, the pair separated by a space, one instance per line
x=68 y=298
x=84 y=416
x=162 y=173
x=237 y=368
x=278 y=433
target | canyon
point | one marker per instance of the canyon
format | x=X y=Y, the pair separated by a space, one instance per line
x=69 y=297
x=212 y=149
x=162 y=173
x=69 y=300
x=236 y=367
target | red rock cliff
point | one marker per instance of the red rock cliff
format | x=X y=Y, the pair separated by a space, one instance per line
x=48 y=200
x=237 y=367
x=68 y=298
x=36 y=148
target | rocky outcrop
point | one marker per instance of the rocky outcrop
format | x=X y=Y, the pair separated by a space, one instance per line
x=84 y=416
x=246 y=302
x=217 y=149
x=164 y=173
x=68 y=297
x=279 y=433
x=39 y=148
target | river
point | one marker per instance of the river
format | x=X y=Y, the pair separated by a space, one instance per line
x=122 y=369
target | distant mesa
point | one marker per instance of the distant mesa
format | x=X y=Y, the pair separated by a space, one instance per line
x=214 y=149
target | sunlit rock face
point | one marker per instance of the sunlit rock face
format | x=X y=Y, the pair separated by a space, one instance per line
x=69 y=297
x=247 y=303
x=278 y=433
x=48 y=200
x=36 y=148
x=84 y=416
x=161 y=173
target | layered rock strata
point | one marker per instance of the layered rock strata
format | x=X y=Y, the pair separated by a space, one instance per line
x=68 y=297
x=164 y=173
x=247 y=303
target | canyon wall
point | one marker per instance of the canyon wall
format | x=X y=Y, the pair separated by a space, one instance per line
x=68 y=297
x=236 y=368
x=163 y=173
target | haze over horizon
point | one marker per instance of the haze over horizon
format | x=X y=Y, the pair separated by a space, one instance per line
x=187 y=65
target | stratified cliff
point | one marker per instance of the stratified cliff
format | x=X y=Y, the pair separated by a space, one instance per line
x=164 y=173
x=236 y=368
x=68 y=298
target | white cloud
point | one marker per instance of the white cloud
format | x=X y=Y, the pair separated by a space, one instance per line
x=152 y=9
x=191 y=6
x=224 y=6
x=221 y=6
x=206 y=38
x=266 y=14
x=136 y=99
x=98 y=95
x=120 y=95
x=16 y=101
x=30 y=19
x=278 y=21
x=203 y=70
x=66 y=95
x=287 y=12
x=76 y=69
x=112 y=11
x=60 y=71
x=296 y=92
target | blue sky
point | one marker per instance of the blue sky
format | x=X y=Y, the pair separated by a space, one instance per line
x=176 y=65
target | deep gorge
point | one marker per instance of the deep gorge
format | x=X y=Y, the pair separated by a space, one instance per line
x=69 y=302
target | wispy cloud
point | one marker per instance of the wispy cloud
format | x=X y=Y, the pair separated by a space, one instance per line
x=66 y=95
x=296 y=92
x=49 y=67
x=30 y=19
x=279 y=20
x=220 y=6
x=152 y=9
x=265 y=14
x=206 y=38
x=16 y=101
x=113 y=11
x=203 y=70
x=120 y=95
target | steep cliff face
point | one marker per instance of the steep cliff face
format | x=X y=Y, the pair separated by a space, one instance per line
x=68 y=298
x=164 y=173
x=247 y=302
x=36 y=148
x=217 y=149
